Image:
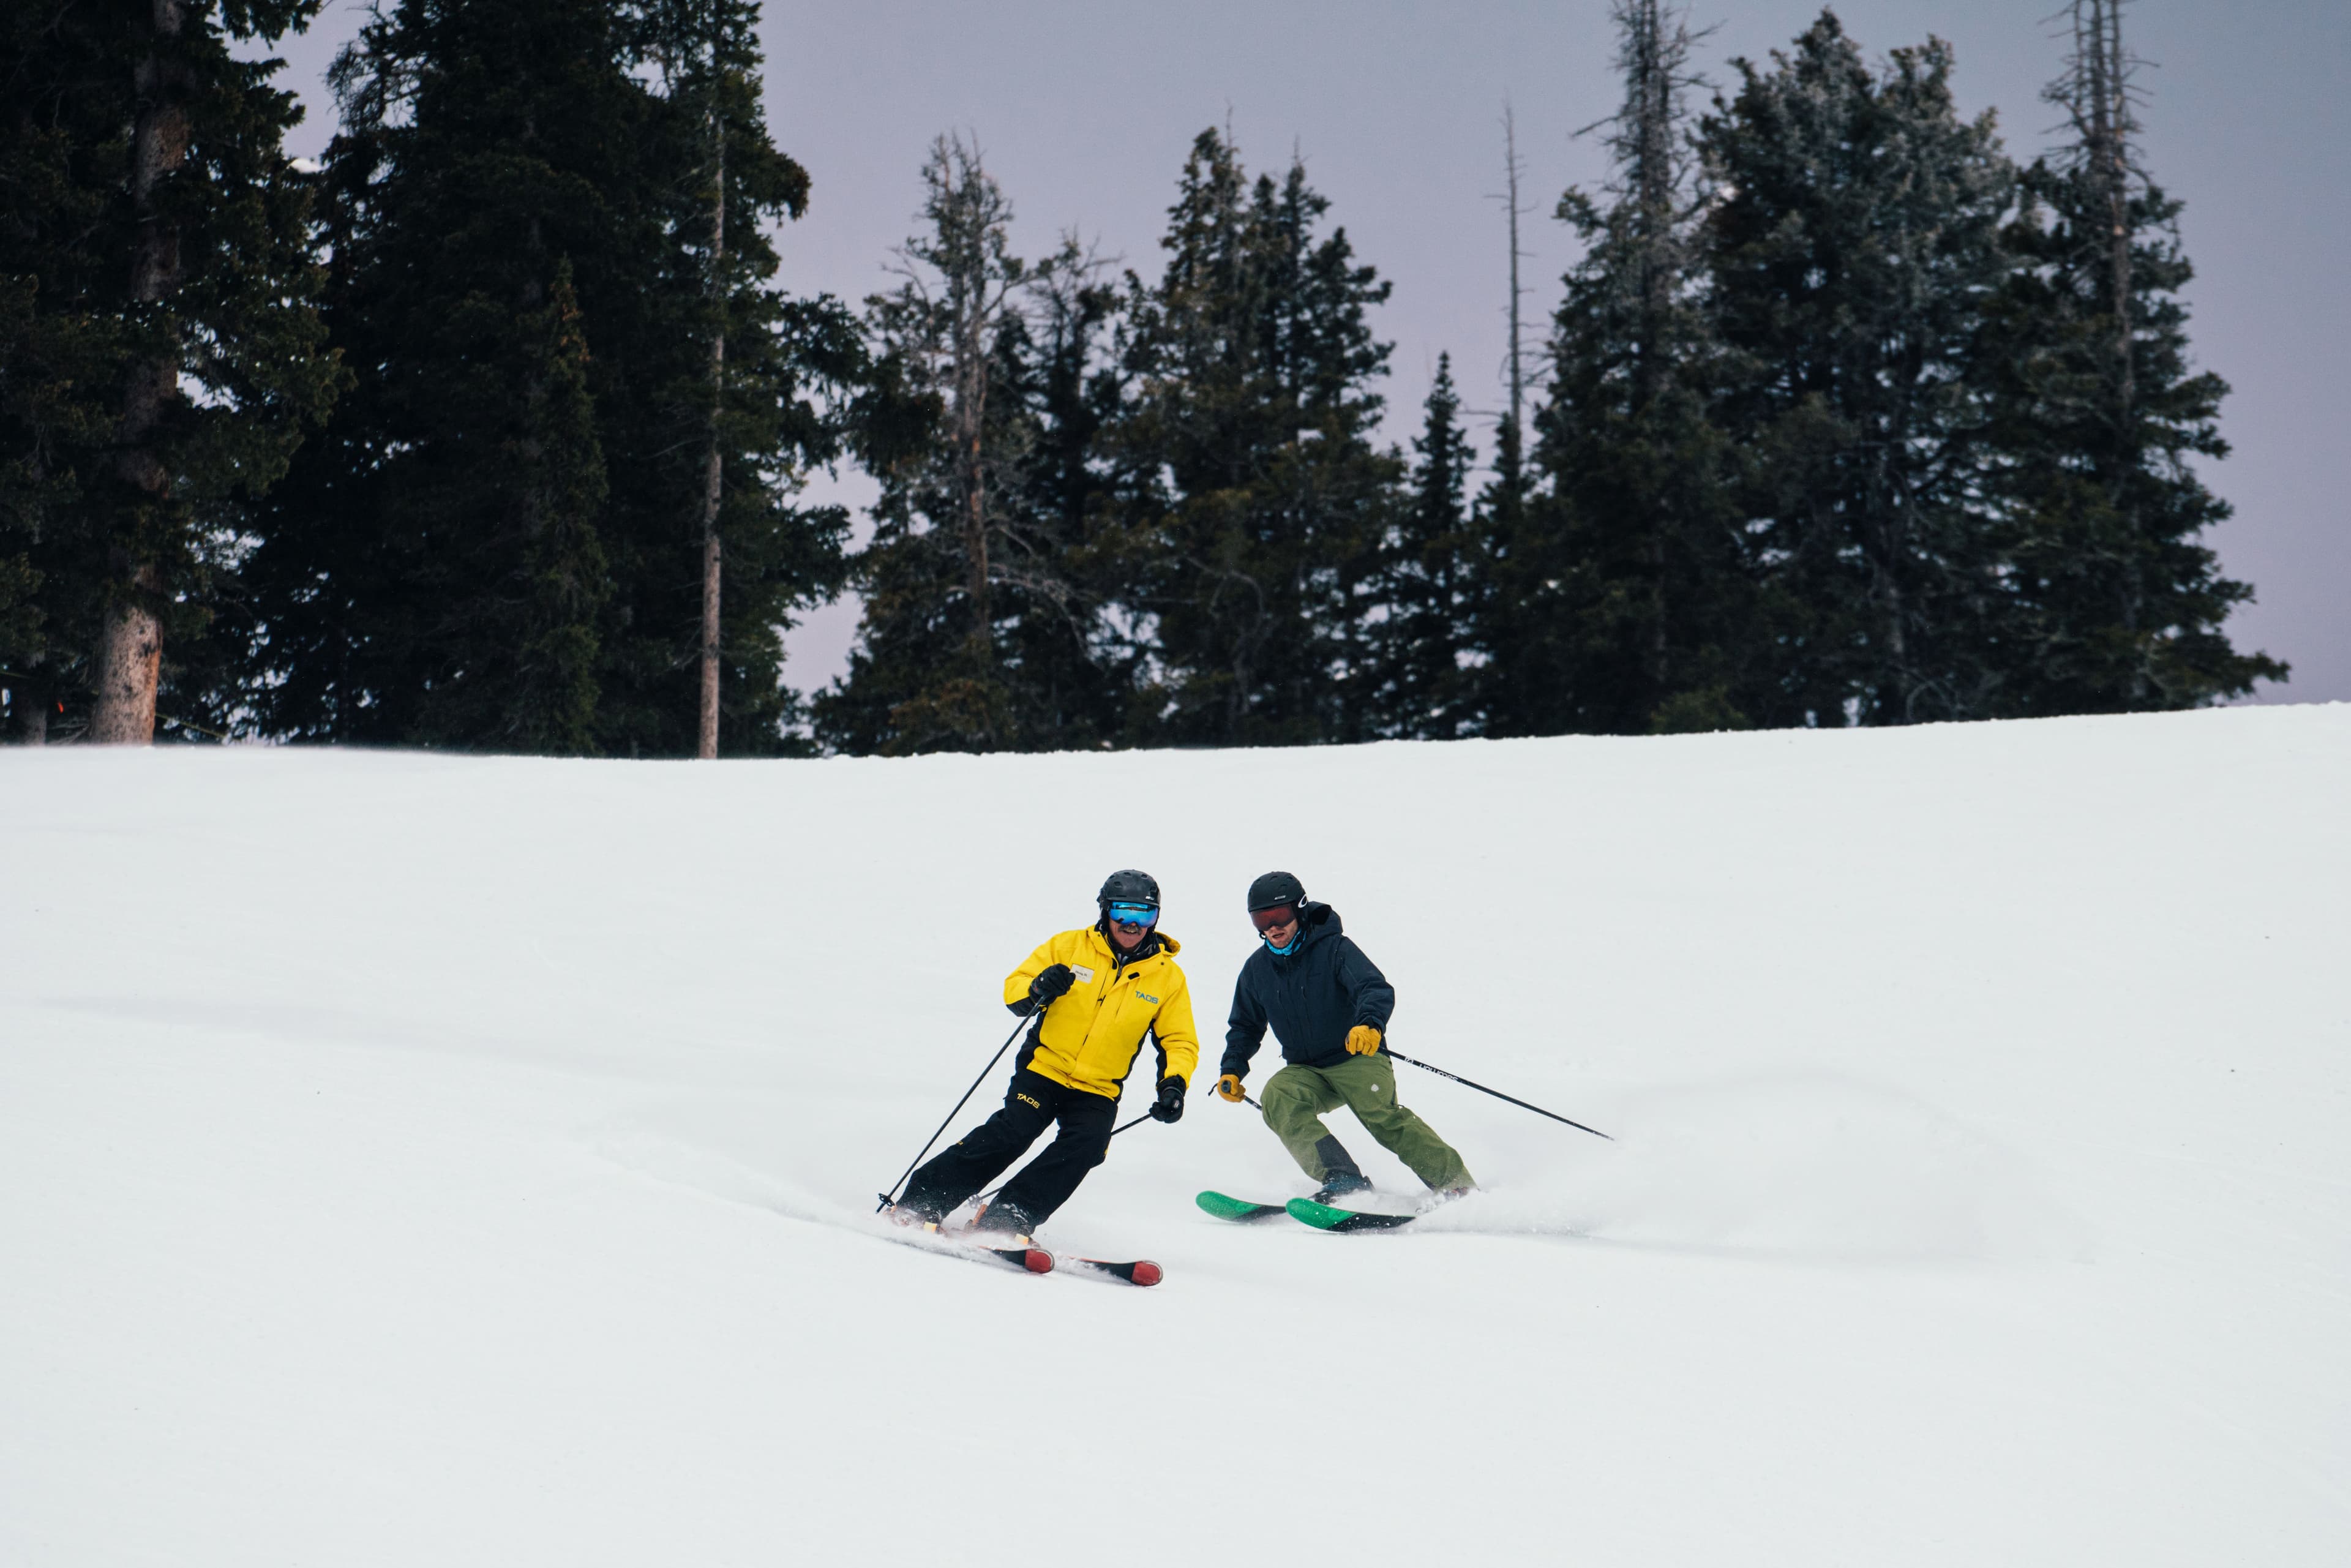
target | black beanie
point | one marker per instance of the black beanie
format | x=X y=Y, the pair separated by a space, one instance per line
x=1273 y=889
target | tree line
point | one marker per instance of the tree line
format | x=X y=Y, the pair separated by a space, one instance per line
x=490 y=430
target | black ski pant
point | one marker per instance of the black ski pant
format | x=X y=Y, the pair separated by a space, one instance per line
x=1030 y=1105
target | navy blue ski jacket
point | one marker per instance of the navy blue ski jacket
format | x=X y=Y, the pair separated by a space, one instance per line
x=1312 y=996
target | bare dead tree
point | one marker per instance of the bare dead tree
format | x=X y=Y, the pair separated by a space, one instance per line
x=1652 y=160
x=2096 y=93
x=961 y=285
x=1054 y=301
x=1513 y=168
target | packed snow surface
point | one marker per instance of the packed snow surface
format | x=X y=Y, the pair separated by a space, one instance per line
x=425 y=1160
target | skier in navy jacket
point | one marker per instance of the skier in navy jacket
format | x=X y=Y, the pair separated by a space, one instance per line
x=1328 y=1004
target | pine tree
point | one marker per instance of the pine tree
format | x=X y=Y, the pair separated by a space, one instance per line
x=161 y=353
x=1422 y=685
x=1255 y=497
x=435 y=573
x=1854 y=251
x=502 y=542
x=975 y=630
x=1067 y=671
x=519 y=669
x=1499 y=525
x=1626 y=585
x=719 y=394
x=2101 y=415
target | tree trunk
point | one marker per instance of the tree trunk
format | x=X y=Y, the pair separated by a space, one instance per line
x=2103 y=79
x=711 y=488
x=131 y=645
x=1656 y=61
x=974 y=530
x=129 y=661
x=971 y=411
x=707 y=750
x=2111 y=82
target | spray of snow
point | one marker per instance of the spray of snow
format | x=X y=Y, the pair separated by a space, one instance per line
x=1804 y=1168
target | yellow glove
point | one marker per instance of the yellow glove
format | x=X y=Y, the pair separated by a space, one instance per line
x=1229 y=1087
x=1362 y=1040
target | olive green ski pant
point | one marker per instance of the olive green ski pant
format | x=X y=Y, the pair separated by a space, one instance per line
x=1297 y=1098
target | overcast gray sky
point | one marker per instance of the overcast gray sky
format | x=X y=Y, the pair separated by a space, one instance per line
x=1085 y=108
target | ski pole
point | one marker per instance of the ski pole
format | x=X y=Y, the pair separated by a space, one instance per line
x=1495 y=1092
x=892 y=1196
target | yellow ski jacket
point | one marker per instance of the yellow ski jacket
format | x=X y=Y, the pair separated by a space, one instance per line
x=1089 y=1037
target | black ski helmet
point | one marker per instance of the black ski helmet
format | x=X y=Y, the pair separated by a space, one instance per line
x=1275 y=889
x=1128 y=887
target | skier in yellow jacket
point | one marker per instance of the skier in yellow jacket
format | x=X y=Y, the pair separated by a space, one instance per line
x=1097 y=992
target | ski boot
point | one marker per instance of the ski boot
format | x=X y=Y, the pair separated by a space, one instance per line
x=1339 y=1185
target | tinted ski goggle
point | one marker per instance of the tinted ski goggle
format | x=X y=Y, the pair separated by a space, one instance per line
x=1269 y=919
x=1134 y=913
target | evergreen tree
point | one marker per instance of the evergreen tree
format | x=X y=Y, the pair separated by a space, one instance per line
x=720 y=393
x=1068 y=671
x=435 y=573
x=161 y=352
x=1495 y=622
x=1627 y=587
x=1422 y=681
x=502 y=542
x=517 y=663
x=2101 y=415
x=977 y=632
x=1854 y=252
x=1255 y=497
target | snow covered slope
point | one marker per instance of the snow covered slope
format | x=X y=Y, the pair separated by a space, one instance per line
x=411 y=1160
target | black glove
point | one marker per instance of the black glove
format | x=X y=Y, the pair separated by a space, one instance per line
x=1052 y=983
x=1169 y=1106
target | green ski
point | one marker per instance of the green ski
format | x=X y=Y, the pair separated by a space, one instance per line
x=1323 y=1216
x=1236 y=1208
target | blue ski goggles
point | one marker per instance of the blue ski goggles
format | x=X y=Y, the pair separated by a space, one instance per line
x=1134 y=913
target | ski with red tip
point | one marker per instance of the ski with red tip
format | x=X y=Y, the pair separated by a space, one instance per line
x=1035 y=1260
x=1142 y=1271
x=1029 y=1258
